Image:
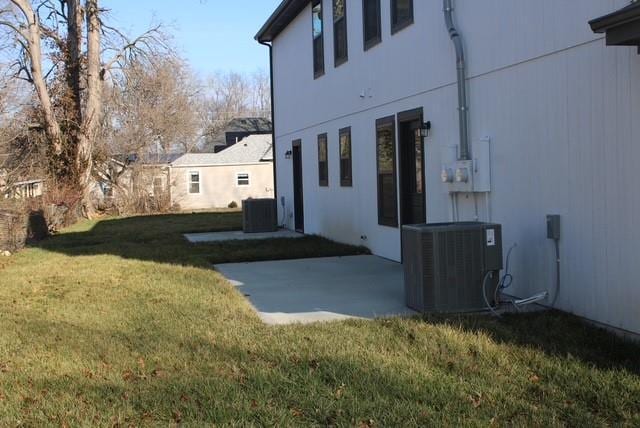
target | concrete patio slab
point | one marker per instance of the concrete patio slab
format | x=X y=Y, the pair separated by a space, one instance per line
x=325 y=289
x=198 y=238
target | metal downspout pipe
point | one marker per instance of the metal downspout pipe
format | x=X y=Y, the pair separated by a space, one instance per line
x=462 y=80
x=273 y=120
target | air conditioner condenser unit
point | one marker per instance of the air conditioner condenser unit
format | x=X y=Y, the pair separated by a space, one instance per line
x=445 y=265
x=259 y=215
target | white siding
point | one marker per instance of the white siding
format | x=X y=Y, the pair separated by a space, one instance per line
x=219 y=185
x=560 y=108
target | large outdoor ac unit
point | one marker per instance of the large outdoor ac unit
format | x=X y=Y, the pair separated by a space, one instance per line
x=445 y=265
x=259 y=215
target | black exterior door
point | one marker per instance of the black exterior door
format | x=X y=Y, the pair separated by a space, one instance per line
x=413 y=208
x=298 y=194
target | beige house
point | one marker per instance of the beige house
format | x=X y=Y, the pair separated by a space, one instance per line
x=201 y=181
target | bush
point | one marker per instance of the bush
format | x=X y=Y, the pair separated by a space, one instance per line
x=233 y=204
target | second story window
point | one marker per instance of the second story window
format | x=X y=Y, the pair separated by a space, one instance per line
x=346 y=175
x=340 y=43
x=371 y=23
x=401 y=14
x=318 y=39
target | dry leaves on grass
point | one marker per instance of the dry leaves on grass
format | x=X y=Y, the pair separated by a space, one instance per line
x=476 y=400
x=340 y=391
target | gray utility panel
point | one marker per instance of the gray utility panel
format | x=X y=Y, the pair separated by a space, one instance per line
x=553 y=227
x=259 y=215
x=445 y=264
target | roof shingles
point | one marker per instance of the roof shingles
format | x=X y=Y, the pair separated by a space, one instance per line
x=251 y=150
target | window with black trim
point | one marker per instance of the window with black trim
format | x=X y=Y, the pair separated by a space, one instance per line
x=318 y=39
x=346 y=176
x=340 y=39
x=323 y=160
x=386 y=170
x=371 y=23
x=401 y=14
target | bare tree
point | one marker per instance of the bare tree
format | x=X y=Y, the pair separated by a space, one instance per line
x=230 y=94
x=69 y=36
x=151 y=108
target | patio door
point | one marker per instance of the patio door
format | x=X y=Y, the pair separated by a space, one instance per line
x=298 y=193
x=413 y=208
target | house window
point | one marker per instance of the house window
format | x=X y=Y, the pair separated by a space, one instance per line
x=371 y=23
x=243 y=179
x=340 y=39
x=194 y=182
x=158 y=186
x=323 y=160
x=318 y=39
x=401 y=14
x=346 y=178
x=386 y=160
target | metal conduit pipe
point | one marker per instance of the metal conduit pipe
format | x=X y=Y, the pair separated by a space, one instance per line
x=463 y=109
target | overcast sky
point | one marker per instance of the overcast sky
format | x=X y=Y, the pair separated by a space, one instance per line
x=213 y=35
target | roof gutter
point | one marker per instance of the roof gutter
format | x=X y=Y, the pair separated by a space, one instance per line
x=273 y=119
x=456 y=38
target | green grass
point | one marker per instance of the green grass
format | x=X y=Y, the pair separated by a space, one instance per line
x=121 y=322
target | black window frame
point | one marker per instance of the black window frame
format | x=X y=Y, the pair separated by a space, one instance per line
x=318 y=48
x=387 y=122
x=338 y=61
x=397 y=26
x=345 y=180
x=371 y=41
x=323 y=166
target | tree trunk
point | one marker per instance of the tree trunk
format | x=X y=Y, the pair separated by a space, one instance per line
x=92 y=117
x=32 y=35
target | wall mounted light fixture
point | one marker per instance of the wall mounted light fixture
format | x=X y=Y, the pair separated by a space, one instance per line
x=288 y=154
x=424 y=131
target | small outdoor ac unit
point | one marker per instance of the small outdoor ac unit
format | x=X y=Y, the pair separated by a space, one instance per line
x=445 y=265
x=259 y=215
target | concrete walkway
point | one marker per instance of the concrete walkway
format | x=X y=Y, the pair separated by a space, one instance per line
x=198 y=238
x=326 y=289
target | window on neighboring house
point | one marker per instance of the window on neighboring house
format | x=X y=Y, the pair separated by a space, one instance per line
x=346 y=176
x=158 y=186
x=323 y=160
x=401 y=14
x=243 y=179
x=371 y=22
x=340 y=39
x=318 y=39
x=194 y=182
x=386 y=160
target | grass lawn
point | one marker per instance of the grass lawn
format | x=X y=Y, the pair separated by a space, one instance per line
x=121 y=322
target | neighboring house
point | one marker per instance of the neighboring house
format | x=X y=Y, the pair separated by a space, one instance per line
x=235 y=131
x=202 y=181
x=552 y=122
x=23 y=189
x=137 y=176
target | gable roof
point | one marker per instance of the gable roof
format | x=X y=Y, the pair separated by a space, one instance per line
x=244 y=125
x=251 y=150
x=281 y=17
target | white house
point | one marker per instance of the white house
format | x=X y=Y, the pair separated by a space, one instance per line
x=218 y=180
x=550 y=117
